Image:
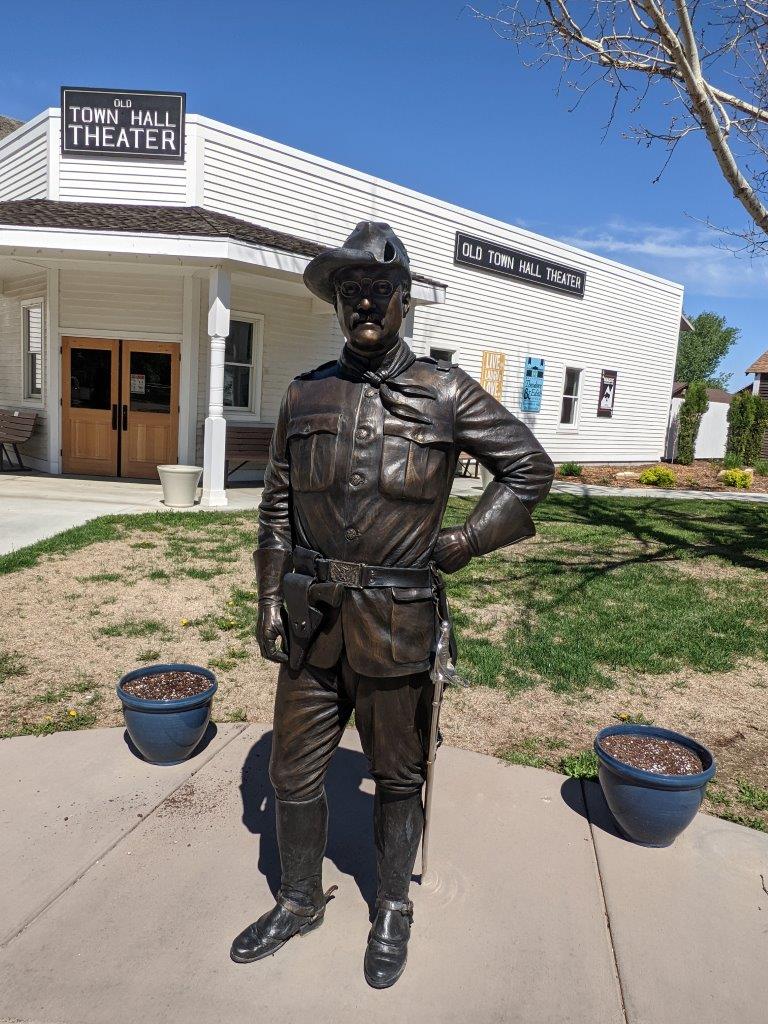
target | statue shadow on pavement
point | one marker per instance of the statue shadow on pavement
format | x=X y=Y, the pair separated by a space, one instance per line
x=350 y=816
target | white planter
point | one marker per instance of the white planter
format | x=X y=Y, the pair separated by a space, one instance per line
x=179 y=485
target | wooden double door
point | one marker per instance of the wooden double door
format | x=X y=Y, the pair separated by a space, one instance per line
x=120 y=406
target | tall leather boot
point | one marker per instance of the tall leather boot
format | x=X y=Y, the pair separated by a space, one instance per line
x=397 y=827
x=302 y=829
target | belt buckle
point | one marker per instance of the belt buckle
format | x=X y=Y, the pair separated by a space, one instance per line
x=348 y=573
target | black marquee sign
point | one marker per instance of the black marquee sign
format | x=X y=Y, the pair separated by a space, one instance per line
x=115 y=122
x=479 y=252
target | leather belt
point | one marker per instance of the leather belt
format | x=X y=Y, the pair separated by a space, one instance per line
x=355 y=574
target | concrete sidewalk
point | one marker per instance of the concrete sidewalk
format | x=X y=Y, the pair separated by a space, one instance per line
x=125 y=884
x=34 y=506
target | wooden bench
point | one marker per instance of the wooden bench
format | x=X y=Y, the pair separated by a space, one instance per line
x=466 y=464
x=16 y=426
x=248 y=444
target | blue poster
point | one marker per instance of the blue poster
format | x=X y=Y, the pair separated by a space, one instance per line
x=533 y=383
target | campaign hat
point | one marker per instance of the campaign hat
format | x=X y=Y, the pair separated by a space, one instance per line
x=372 y=243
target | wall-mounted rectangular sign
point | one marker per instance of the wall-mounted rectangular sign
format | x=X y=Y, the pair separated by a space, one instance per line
x=113 y=122
x=479 y=252
x=533 y=384
x=607 y=394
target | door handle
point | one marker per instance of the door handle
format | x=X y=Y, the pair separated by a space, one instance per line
x=125 y=417
x=114 y=417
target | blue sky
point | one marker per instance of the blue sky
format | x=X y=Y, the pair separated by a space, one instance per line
x=418 y=92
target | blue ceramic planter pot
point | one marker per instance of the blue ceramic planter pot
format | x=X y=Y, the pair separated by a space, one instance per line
x=652 y=809
x=167 y=731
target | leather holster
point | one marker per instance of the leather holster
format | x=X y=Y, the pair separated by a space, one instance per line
x=302 y=593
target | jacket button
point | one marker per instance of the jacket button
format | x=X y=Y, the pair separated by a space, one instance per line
x=356 y=478
x=350 y=533
x=361 y=433
x=305 y=428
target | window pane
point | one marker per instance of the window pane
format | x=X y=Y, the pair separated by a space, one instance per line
x=238 y=347
x=33 y=344
x=150 y=382
x=568 y=410
x=34 y=376
x=237 y=386
x=571 y=382
x=442 y=353
x=91 y=380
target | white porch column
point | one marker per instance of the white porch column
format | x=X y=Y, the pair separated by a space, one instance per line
x=214 y=494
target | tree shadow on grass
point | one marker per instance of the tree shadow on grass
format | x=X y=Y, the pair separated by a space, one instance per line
x=668 y=530
x=350 y=813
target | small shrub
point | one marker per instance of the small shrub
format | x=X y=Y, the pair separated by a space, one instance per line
x=658 y=476
x=732 y=460
x=747 y=422
x=580 y=766
x=570 y=469
x=737 y=478
x=761 y=467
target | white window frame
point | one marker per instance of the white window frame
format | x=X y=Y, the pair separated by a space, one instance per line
x=574 y=424
x=26 y=398
x=253 y=410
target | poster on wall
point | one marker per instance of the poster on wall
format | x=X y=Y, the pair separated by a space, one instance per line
x=607 y=393
x=138 y=384
x=533 y=384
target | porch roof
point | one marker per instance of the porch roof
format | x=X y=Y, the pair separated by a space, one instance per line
x=173 y=221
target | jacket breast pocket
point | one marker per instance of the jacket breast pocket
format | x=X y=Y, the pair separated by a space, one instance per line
x=414 y=460
x=412 y=624
x=312 y=442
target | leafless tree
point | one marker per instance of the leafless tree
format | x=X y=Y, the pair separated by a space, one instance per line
x=710 y=58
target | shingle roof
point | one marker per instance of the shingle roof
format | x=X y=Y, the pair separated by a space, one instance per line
x=8 y=125
x=760 y=365
x=713 y=394
x=156 y=220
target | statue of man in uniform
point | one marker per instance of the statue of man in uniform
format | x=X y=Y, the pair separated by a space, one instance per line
x=349 y=565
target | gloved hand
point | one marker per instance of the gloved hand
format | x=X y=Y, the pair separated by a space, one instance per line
x=452 y=550
x=270 y=629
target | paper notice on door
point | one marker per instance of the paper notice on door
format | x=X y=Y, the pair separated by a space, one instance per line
x=138 y=383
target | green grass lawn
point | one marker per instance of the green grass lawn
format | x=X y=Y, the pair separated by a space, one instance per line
x=642 y=584
x=620 y=609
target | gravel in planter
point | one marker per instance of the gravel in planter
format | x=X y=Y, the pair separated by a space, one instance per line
x=167 y=685
x=653 y=754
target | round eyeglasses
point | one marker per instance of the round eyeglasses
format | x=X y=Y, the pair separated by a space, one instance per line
x=354 y=289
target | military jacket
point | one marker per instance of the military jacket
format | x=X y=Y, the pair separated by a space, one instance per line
x=349 y=478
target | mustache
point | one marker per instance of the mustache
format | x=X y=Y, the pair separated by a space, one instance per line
x=365 y=317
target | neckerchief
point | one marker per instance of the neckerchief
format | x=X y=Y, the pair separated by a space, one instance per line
x=384 y=379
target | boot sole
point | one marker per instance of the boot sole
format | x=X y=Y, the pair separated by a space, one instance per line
x=304 y=930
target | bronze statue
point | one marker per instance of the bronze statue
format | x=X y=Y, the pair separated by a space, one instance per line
x=349 y=565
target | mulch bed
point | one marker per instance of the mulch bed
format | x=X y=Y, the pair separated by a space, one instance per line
x=167 y=685
x=653 y=754
x=700 y=476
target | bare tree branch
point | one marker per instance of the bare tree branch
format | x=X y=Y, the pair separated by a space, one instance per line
x=712 y=55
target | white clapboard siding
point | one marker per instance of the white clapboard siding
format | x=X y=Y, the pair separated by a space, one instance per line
x=11 y=362
x=628 y=321
x=91 y=179
x=295 y=339
x=121 y=304
x=24 y=162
